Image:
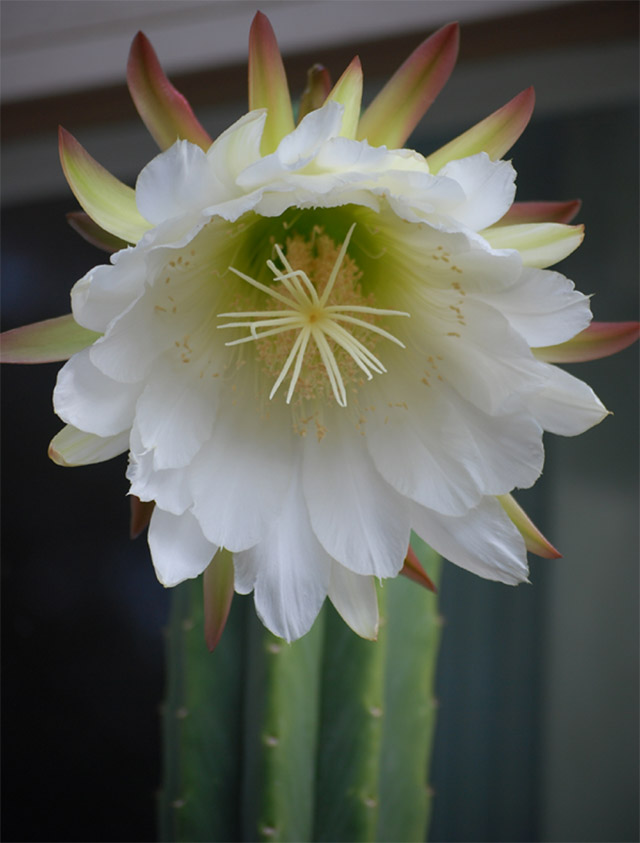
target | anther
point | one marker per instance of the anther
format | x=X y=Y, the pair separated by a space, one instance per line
x=315 y=319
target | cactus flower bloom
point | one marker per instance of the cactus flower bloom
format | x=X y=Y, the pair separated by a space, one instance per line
x=312 y=340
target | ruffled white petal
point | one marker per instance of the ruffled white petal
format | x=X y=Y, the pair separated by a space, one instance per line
x=425 y=473
x=292 y=570
x=483 y=358
x=322 y=191
x=566 y=406
x=241 y=475
x=297 y=149
x=91 y=401
x=131 y=344
x=177 y=181
x=440 y=450
x=343 y=155
x=484 y=541
x=178 y=549
x=237 y=148
x=489 y=188
x=359 y=519
x=355 y=599
x=175 y=412
x=168 y=487
x=106 y=291
x=232 y=209
x=543 y=307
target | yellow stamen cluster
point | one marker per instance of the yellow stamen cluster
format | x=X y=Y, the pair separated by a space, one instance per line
x=306 y=308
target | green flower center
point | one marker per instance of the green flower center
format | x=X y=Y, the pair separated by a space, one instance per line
x=313 y=325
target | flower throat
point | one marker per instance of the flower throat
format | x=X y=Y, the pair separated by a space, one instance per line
x=307 y=329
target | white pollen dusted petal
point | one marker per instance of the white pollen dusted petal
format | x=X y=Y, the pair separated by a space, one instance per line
x=242 y=473
x=441 y=260
x=106 y=291
x=358 y=517
x=543 y=306
x=484 y=541
x=292 y=570
x=175 y=412
x=178 y=549
x=566 y=406
x=489 y=188
x=177 y=181
x=355 y=599
x=484 y=359
x=439 y=449
x=91 y=401
x=132 y=342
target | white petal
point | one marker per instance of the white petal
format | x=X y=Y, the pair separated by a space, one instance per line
x=175 y=413
x=543 y=306
x=246 y=571
x=418 y=197
x=325 y=191
x=232 y=209
x=315 y=129
x=484 y=541
x=359 y=519
x=355 y=598
x=241 y=475
x=168 y=487
x=106 y=291
x=75 y=447
x=91 y=401
x=237 y=147
x=498 y=452
x=178 y=548
x=297 y=148
x=566 y=405
x=131 y=344
x=437 y=259
x=292 y=568
x=484 y=359
x=177 y=181
x=442 y=451
x=343 y=155
x=430 y=475
x=489 y=188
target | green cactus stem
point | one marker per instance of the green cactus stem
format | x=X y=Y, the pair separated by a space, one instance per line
x=325 y=739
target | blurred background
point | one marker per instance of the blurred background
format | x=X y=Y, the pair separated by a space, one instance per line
x=537 y=736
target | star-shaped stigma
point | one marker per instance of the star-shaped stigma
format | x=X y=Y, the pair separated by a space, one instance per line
x=315 y=319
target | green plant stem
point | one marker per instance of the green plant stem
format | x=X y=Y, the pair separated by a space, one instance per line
x=326 y=739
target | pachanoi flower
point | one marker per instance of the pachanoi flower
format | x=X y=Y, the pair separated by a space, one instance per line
x=312 y=341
